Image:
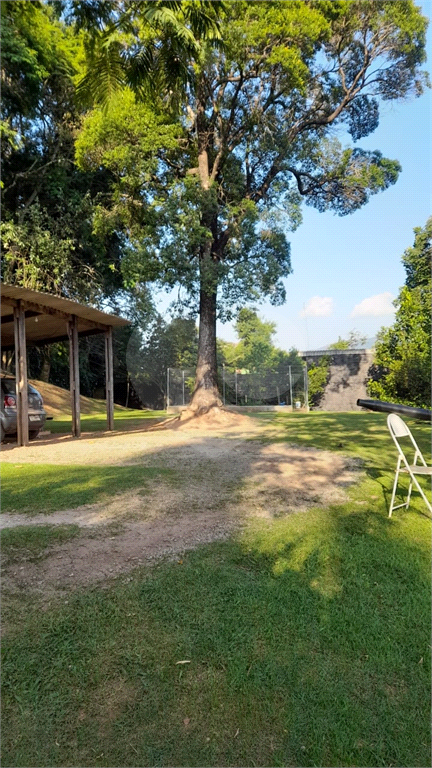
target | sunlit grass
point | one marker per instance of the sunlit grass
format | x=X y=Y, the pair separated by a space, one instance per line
x=42 y=488
x=358 y=433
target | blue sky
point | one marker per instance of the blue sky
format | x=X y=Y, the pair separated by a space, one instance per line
x=347 y=270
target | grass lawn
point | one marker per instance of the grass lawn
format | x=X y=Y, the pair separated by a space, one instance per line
x=96 y=422
x=44 y=488
x=29 y=541
x=304 y=641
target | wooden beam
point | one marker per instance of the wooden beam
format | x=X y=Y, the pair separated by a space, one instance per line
x=10 y=318
x=54 y=339
x=109 y=378
x=74 y=376
x=42 y=309
x=21 y=376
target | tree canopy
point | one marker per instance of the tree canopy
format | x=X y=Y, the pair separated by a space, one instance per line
x=199 y=128
x=212 y=190
x=402 y=366
x=255 y=350
x=48 y=238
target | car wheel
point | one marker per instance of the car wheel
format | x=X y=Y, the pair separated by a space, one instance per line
x=2 y=432
x=33 y=434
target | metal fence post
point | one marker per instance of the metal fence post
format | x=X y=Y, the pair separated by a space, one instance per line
x=236 y=386
x=290 y=385
x=168 y=383
x=183 y=387
x=306 y=385
x=223 y=383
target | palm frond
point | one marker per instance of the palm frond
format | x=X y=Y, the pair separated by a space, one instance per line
x=166 y=20
x=139 y=65
x=204 y=17
x=176 y=29
x=105 y=74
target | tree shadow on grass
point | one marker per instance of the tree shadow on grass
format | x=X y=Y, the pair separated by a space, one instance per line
x=289 y=645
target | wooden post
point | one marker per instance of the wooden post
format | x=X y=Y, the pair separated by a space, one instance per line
x=21 y=375
x=109 y=378
x=74 y=377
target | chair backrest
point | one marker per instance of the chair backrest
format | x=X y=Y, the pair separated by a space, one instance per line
x=397 y=427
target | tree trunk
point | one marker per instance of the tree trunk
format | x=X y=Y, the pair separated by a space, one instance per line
x=206 y=393
x=127 y=391
x=46 y=363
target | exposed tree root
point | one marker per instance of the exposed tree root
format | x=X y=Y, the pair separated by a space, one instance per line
x=204 y=417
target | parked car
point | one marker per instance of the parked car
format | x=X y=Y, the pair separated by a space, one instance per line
x=8 y=415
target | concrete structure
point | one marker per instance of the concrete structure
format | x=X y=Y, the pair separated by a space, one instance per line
x=348 y=375
x=32 y=317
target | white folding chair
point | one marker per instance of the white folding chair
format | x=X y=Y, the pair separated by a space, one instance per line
x=399 y=429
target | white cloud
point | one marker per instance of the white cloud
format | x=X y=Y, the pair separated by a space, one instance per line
x=318 y=306
x=375 y=306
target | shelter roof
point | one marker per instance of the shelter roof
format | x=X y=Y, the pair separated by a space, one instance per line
x=46 y=316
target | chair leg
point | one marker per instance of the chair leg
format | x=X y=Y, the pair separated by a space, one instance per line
x=409 y=494
x=394 y=486
x=426 y=501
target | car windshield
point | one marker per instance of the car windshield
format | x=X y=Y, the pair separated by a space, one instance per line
x=9 y=387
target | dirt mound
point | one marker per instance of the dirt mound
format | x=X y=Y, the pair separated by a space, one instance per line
x=213 y=418
x=57 y=401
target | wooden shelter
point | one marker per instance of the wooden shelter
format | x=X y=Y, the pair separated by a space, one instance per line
x=32 y=317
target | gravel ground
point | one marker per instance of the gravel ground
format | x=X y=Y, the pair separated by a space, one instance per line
x=224 y=480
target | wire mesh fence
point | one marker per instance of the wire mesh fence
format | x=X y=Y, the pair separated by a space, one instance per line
x=242 y=388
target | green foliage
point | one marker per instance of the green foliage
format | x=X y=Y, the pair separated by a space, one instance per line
x=195 y=173
x=264 y=109
x=37 y=57
x=48 y=239
x=255 y=351
x=417 y=260
x=354 y=341
x=401 y=371
x=318 y=376
x=37 y=255
x=167 y=37
x=151 y=351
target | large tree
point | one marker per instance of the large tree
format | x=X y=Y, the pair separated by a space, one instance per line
x=211 y=197
x=402 y=365
x=48 y=204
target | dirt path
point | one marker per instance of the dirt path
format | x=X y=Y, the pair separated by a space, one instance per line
x=223 y=481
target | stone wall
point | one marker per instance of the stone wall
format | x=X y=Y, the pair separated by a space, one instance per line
x=348 y=378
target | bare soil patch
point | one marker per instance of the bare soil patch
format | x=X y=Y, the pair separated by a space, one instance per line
x=57 y=401
x=224 y=480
